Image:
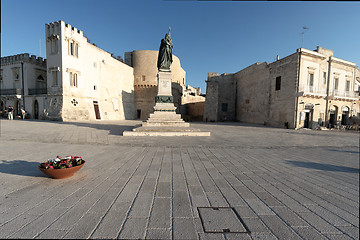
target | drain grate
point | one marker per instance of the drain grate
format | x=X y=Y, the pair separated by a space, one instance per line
x=220 y=220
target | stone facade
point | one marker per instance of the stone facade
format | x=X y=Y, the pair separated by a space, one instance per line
x=144 y=63
x=84 y=81
x=23 y=84
x=306 y=89
x=220 y=104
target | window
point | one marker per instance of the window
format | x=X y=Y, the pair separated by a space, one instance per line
x=347 y=86
x=311 y=79
x=336 y=83
x=55 y=78
x=224 y=107
x=278 y=84
x=40 y=78
x=54 y=46
x=73 y=48
x=73 y=80
x=324 y=77
x=76 y=49
x=143 y=77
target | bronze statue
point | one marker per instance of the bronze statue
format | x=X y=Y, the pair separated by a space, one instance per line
x=165 y=53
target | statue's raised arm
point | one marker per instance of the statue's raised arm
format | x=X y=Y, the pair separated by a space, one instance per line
x=165 y=53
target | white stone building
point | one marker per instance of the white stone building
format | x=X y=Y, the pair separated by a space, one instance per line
x=23 y=83
x=79 y=81
x=84 y=81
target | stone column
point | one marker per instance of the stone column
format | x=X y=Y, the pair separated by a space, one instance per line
x=164 y=99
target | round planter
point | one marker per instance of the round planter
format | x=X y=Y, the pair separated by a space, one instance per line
x=61 y=173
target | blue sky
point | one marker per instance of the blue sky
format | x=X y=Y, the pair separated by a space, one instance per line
x=208 y=36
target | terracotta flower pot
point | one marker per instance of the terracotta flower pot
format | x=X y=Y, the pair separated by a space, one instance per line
x=61 y=173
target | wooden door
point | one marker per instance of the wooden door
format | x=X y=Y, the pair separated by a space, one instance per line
x=96 y=108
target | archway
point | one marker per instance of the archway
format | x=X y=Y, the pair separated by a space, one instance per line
x=308 y=115
x=345 y=115
x=333 y=116
x=2 y=108
x=36 y=109
x=17 y=107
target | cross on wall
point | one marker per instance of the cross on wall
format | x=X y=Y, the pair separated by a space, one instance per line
x=74 y=102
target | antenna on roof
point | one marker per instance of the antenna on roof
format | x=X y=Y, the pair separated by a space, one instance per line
x=302 y=35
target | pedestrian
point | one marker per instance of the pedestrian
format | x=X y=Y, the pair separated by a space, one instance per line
x=23 y=113
x=10 y=113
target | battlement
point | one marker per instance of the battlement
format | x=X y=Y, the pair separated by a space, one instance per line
x=54 y=28
x=24 y=57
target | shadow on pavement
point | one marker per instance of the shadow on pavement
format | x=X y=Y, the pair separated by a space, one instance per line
x=322 y=166
x=346 y=151
x=21 y=167
x=112 y=128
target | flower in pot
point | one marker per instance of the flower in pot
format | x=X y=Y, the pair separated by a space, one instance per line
x=59 y=168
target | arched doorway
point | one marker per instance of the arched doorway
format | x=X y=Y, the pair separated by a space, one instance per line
x=2 y=108
x=36 y=109
x=308 y=115
x=17 y=110
x=333 y=116
x=345 y=115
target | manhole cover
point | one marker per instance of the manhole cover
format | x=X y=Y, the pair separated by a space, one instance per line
x=220 y=220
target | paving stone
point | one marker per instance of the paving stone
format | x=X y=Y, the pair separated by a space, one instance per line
x=268 y=199
x=216 y=199
x=263 y=236
x=110 y=224
x=158 y=233
x=183 y=228
x=279 y=228
x=319 y=223
x=255 y=225
x=259 y=207
x=329 y=216
x=84 y=227
x=351 y=231
x=163 y=189
x=290 y=217
x=134 y=228
x=161 y=213
x=337 y=236
x=245 y=212
x=14 y=225
x=181 y=205
x=237 y=236
x=233 y=198
x=52 y=234
x=309 y=233
x=211 y=236
x=141 y=206
x=39 y=224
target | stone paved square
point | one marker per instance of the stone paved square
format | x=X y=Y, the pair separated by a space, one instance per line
x=284 y=183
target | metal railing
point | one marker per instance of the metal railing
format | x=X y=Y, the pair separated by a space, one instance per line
x=37 y=91
x=348 y=94
x=312 y=89
x=11 y=91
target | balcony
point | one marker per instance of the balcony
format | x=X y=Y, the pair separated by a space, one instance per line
x=11 y=91
x=37 y=91
x=312 y=90
x=344 y=94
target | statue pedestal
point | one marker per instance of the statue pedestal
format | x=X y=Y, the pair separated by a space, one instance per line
x=165 y=121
